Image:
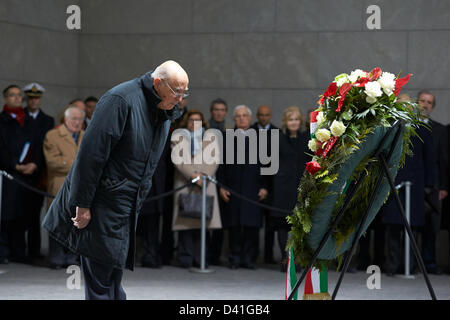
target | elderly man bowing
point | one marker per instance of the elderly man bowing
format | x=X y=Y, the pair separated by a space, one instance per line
x=95 y=212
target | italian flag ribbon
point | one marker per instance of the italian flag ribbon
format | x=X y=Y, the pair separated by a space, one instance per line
x=313 y=123
x=316 y=285
x=291 y=276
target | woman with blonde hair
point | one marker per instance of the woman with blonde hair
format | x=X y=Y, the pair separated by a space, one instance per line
x=189 y=236
x=293 y=145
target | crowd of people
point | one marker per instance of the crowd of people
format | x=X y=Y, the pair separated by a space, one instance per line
x=39 y=152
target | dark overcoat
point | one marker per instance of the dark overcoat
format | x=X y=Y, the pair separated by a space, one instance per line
x=112 y=174
x=292 y=160
x=12 y=141
x=246 y=180
x=420 y=170
x=433 y=205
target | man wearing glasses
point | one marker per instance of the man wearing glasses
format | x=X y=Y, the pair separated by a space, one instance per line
x=95 y=212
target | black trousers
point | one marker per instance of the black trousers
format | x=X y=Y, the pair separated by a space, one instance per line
x=101 y=282
x=364 y=258
x=12 y=240
x=395 y=249
x=149 y=229
x=33 y=208
x=243 y=243
x=189 y=248
x=269 y=236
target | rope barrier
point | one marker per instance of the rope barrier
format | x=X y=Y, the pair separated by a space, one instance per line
x=166 y=194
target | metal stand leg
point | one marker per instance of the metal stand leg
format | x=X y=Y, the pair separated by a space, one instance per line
x=408 y=227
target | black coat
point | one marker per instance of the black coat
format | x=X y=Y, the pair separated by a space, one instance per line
x=440 y=142
x=12 y=141
x=292 y=159
x=420 y=170
x=247 y=181
x=446 y=203
x=38 y=128
x=112 y=174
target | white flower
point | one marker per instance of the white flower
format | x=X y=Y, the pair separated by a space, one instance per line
x=320 y=118
x=358 y=73
x=312 y=145
x=387 y=82
x=323 y=135
x=341 y=79
x=372 y=90
x=337 y=128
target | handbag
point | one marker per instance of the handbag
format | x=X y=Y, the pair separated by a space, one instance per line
x=190 y=205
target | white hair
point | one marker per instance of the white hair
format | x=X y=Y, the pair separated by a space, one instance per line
x=167 y=70
x=240 y=107
x=71 y=107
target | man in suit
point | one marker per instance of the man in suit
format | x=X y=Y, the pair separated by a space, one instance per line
x=242 y=218
x=218 y=109
x=38 y=123
x=264 y=116
x=434 y=198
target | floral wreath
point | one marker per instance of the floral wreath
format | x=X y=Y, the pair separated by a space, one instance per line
x=350 y=110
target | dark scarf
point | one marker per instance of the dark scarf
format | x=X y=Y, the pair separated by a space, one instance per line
x=217 y=125
x=18 y=112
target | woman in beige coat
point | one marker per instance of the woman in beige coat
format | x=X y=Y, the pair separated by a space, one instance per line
x=60 y=150
x=200 y=158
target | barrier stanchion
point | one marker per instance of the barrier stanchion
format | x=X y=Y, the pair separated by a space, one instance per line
x=203 y=268
x=407 y=185
x=407 y=274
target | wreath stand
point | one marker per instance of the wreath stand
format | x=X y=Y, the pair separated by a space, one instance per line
x=383 y=159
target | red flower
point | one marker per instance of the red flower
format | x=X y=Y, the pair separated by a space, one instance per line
x=312 y=167
x=399 y=83
x=343 y=90
x=361 y=82
x=376 y=73
x=331 y=91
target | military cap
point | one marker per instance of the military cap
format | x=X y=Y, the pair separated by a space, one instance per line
x=34 y=90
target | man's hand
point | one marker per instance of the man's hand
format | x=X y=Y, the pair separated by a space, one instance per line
x=262 y=194
x=225 y=194
x=83 y=216
x=443 y=194
x=26 y=169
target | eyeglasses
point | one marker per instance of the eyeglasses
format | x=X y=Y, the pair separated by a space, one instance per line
x=184 y=94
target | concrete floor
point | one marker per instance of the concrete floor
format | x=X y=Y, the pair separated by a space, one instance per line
x=18 y=282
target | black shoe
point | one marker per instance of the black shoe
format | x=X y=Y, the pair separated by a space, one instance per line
x=151 y=265
x=435 y=270
x=250 y=266
x=270 y=260
x=351 y=270
x=24 y=260
x=216 y=262
x=233 y=266
x=283 y=267
x=4 y=261
x=55 y=266
x=390 y=274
